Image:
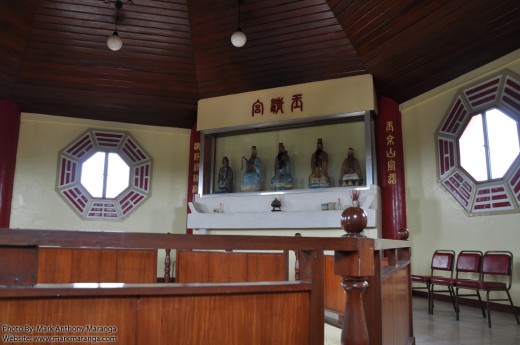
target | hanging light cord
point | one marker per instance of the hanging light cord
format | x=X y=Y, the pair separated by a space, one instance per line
x=119 y=4
x=239 y=3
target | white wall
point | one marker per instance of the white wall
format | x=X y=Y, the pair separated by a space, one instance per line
x=37 y=205
x=435 y=219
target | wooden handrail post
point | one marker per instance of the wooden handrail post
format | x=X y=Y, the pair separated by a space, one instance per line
x=167 y=265
x=354 y=330
x=297 y=260
x=312 y=263
x=354 y=268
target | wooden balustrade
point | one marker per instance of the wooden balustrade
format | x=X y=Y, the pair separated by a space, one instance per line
x=194 y=313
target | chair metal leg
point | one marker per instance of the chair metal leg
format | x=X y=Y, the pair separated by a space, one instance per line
x=452 y=296
x=428 y=288
x=488 y=308
x=481 y=304
x=513 y=306
x=457 y=310
x=430 y=298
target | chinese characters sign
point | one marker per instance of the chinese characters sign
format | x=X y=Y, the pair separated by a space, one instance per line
x=390 y=165
x=390 y=153
x=194 y=163
x=195 y=167
x=277 y=105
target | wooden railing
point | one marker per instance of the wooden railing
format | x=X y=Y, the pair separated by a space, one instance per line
x=157 y=309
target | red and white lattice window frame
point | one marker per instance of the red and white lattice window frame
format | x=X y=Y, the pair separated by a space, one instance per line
x=79 y=199
x=501 y=91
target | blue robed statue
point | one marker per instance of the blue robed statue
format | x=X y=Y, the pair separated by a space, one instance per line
x=282 y=179
x=252 y=179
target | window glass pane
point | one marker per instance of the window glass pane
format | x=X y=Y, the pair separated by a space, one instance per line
x=92 y=174
x=472 y=150
x=503 y=142
x=118 y=175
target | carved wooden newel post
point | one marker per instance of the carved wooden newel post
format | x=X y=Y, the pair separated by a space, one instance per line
x=167 y=265
x=354 y=331
x=297 y=260
x=354 y=268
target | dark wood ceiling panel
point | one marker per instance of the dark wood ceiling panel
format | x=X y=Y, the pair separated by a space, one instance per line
x=411 y=47
x=288 y=42
x=15 y=25
x=54 y=58
x=66 y=56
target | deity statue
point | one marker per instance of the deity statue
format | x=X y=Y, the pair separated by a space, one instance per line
x=282 y=179
x=225 y=177
x=351 y=173
x=319 y=164
x=252 y=179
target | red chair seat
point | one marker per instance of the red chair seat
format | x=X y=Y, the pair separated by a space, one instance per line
x=474 y=284
x=421 y=279
x=443 y=281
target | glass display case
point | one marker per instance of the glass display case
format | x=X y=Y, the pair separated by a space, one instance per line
x=227 y=153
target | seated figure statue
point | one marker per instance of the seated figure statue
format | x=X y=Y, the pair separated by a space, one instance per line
x=252 y=179
x=319 y=177
x=282 y=179
x=225 y=178
x=351 y=173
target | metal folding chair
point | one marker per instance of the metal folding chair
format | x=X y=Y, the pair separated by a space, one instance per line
x=496 y=276
x=441 y=266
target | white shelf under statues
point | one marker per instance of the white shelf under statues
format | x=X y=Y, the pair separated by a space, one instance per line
x=300 y=209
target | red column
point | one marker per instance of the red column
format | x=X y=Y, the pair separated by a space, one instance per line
x=9 y=129
x=390 y=166
x=193 y=175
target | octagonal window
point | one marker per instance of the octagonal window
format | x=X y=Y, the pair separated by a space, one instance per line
x=478 y=146
x=105 y=175
x=489 y=145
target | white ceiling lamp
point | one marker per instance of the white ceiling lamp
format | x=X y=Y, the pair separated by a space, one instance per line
x=114 y=42
x=239 y=38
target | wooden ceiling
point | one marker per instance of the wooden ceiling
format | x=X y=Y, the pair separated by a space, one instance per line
x=54 y=58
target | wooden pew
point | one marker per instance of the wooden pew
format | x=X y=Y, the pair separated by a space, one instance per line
x=228 y=266
x=210 y=314
x=70 y=265
x=253 y=313
x=58 y=265
x=387 y=301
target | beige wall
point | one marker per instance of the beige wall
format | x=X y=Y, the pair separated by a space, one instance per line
x=435 y=219
x=36 y=205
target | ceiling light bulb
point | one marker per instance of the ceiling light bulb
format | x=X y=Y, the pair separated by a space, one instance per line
x=238 y=39
x=114 y=42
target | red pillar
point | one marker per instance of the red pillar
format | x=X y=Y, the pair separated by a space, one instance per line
x=390 y=166
x=9 y=129
x=193 y=175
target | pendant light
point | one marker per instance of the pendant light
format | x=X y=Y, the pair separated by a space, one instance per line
x=114 y=42
x=239 y=38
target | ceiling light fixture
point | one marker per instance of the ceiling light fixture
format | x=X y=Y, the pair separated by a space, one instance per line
x=239 y=38
x=114 y=42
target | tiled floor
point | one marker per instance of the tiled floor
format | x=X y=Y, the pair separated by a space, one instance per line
x=442 y=328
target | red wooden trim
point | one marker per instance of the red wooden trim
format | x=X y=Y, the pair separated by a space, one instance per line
x=193 y=174
x=10 y=118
